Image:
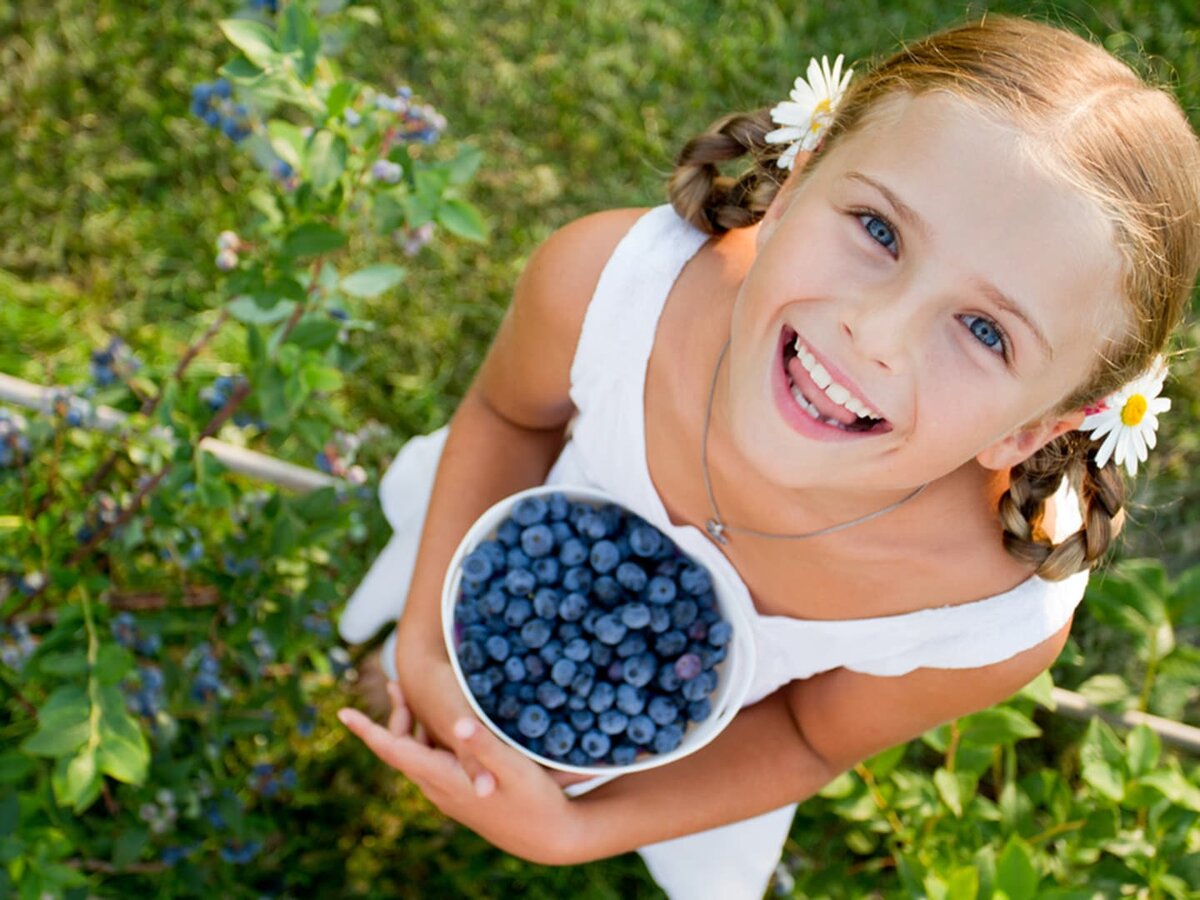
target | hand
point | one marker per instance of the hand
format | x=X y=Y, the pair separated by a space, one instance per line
x=514 y=803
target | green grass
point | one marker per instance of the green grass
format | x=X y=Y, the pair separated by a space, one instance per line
x=114 y=194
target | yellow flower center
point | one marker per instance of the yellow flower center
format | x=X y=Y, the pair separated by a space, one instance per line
x=1133 y=410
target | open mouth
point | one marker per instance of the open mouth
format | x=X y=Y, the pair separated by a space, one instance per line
x=820 y=397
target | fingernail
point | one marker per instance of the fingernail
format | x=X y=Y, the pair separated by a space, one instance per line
x=484 y=784
x=344 y=716
x=464 y=728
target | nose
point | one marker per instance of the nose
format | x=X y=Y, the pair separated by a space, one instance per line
x=883 y=329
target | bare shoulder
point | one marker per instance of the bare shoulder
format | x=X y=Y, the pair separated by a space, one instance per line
x=526 y=376
x=846 y=716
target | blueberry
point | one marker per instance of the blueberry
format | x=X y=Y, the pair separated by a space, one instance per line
x=582 y=684
x=477 y=566
x=560 y=738
x=695 y=580
x=545 y=570
x=470 y=656
x=688 y=666
x=606 y=590
x=492 y=602
x=698 y=630
x=589 y=620
x=558 y=506
x=699 y=710
x=578 y=758
x=577 y=579
x=631 y=576
x=683 y=613
x=668 y=680
x=497 y=648
x=616 y=671
x=610 y=629
x=537 y=541
x=668 y=566
x=550 y=695
x=471 y=588
x=624 y=754
x=478 y=684
x=639 y=670
x=710 y=656
x=662 y=711
x=563 y=671
x=576 y=703
x=660 y=619
x=641 y=730
x=518 y=559
x=533 y=721
x=518 y=611
x=494 y=552
x=508 y=708
x=630 y=700
x=594 y=743
x=645 y=541
x=720 y=633
x=668 y=738
x=612 y=721
x=660 y=590
x=632 y=645
x=551 y=652
x=601 y=654
x=494 y=676
x=527 y=693
x=530 y=511
x=519 y=583
x=602 y=697
x=568 y=631
x=562 y=532
x=535 y=667
x=635 y=615
x=545 y=603
x=509 y=533
x=514 y=669
x=670 y=643
x=583 y=719
x=700 y=686
x=604 y=556
x=577 y=513
x=573 y=552
x=592 y=526
x=577 y=649
x=573 y=607
x=535 y=633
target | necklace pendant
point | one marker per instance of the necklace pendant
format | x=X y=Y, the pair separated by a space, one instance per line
x=715 y=531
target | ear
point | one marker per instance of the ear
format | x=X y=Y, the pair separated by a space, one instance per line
x=1027 y=440
x=781 y=201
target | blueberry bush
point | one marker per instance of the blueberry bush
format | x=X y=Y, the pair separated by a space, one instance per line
x=177 y=245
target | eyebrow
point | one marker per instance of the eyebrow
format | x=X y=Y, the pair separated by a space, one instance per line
x=913 y=219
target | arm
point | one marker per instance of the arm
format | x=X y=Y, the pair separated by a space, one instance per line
x=781 y=750
x=503 y=438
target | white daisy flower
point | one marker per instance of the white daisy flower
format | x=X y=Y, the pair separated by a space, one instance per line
x=810 y=110
x=1128 y=419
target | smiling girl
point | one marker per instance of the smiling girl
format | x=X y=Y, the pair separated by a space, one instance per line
x=857 y=378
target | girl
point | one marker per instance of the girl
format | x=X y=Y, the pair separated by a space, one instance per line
x=859 y=385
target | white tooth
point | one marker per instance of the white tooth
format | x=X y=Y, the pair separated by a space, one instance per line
x=820 y=376
x=837 y=394
x=855 y=407
x=803 y=403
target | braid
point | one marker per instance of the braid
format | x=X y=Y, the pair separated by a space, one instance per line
x=1101 y=492
x=716 y=203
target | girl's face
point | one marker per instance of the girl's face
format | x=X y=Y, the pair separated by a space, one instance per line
x=946 y=293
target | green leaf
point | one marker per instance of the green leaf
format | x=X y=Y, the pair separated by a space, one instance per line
x=62 y=724
x=255 y=346
x=1040 y=690
x=250 y=310
x=300 y=33
x=1185 y=599
x=63 y=665
x=14 y=766
x=463 y=219
x=1015 y=872
x=321 y=378
x=75 y=780
x=372 y=281
x=288 y=142
x=963 y=884
x=112 y=663
x=240 y=69
x=464 y=166
x=10 y=814
x=339 y=98
x=1101 y=757
x=128 y=846
x=254 y=39
x=312 y=238
x=326 y=159
x=1174 y=787
x=1143 y=746
x=947 y=788
x=1104 y=690
x=1000 y=725
x=123 y=752
x=314 y=333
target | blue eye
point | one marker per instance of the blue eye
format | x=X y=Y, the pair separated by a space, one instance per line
x=986 y=332
x=880 y=229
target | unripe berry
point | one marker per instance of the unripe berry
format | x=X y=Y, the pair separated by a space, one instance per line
x=227 y=260
x=228 y=240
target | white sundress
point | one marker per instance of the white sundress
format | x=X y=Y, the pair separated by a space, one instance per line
x=607 y=450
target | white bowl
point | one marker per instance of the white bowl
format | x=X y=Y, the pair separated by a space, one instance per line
x=733 y=673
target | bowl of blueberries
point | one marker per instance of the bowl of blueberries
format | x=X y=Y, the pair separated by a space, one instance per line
x=586 y=639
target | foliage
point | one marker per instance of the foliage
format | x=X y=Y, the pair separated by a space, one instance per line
x=168 y=666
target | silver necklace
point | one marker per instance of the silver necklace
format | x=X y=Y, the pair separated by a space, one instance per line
x=716 y=528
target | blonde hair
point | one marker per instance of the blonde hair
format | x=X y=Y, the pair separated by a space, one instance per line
x=1092 y=122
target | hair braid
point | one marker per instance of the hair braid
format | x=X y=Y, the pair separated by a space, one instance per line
x=1101 y=494
x=717 y=203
